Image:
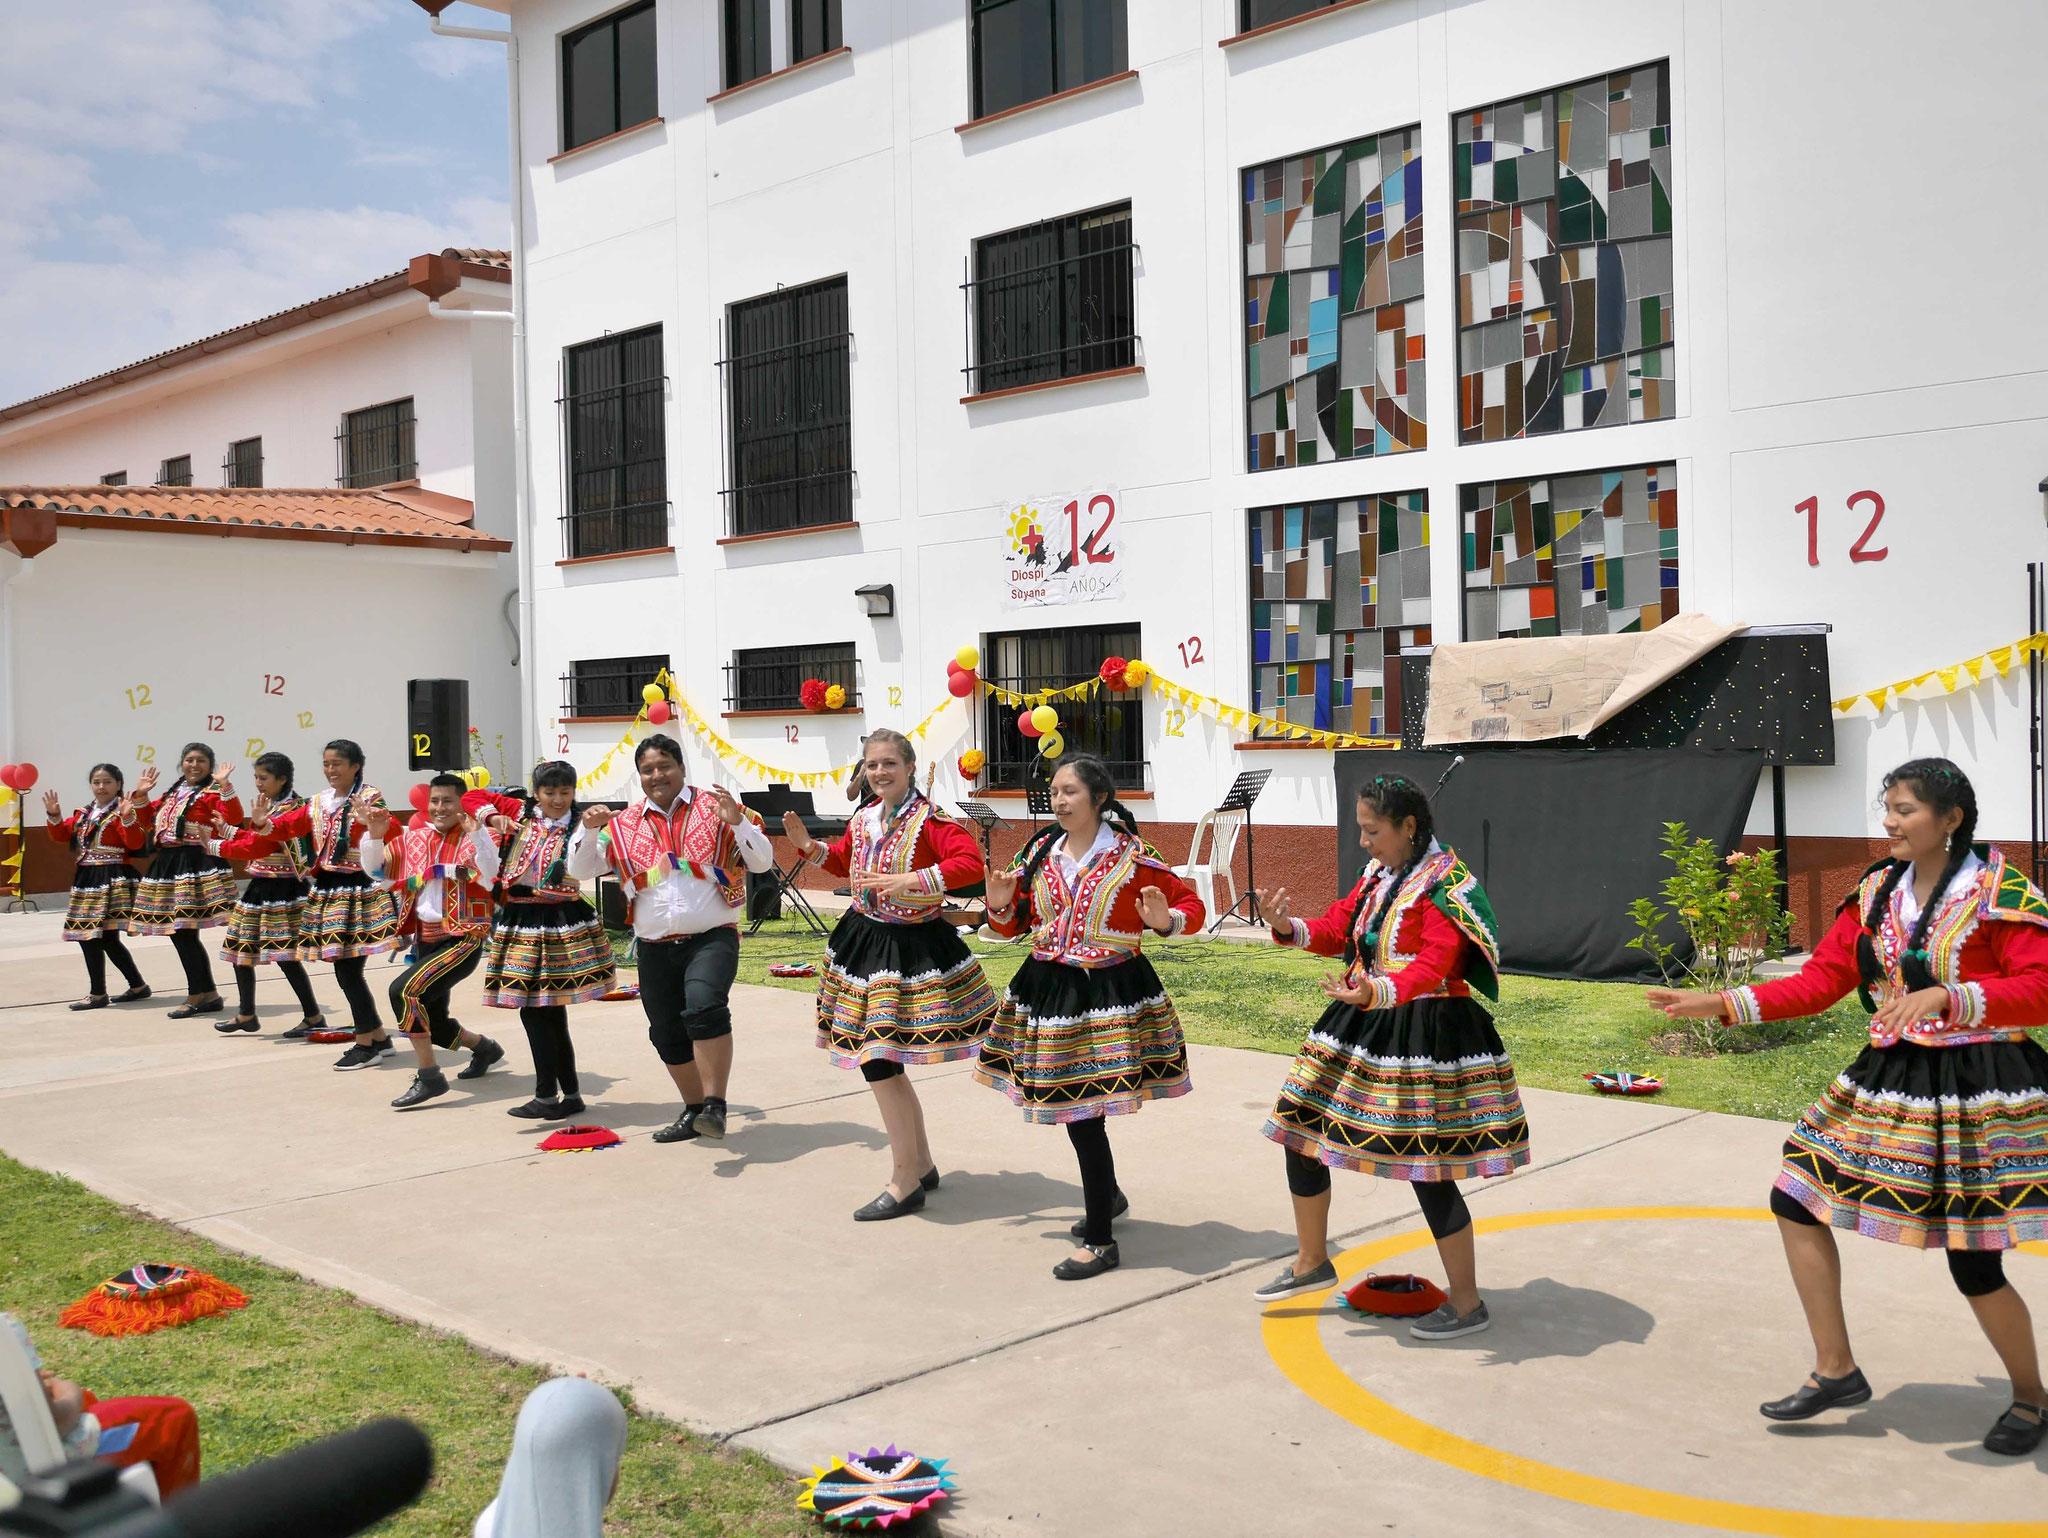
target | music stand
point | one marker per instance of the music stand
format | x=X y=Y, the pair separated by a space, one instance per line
x=771 y=804
x=1244 y=790
x=986 y=818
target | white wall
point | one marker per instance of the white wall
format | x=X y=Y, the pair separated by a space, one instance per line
x=1852 y=313
x=130 y=644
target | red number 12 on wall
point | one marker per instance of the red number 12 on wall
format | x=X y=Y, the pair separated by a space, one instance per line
x=1858 y=551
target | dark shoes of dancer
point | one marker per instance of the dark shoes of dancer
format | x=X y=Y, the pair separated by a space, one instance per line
x=482 y=1056
x=306 y=1027
x=1117 y=1209
x=1287 y=1284
x=1817 y=1394
x=101 y=1001
x=1448 y=1324
x=96 y=1001
x=1105 y=1259
x=236 y=1023
x=427 y=1084
x=2015 y=1435
x=556 y=1109
x=704 y=1119
x=211 y=1005
x=363 y=1054
x=886 y=1206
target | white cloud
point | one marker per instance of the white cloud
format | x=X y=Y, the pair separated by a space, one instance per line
x=451 y=58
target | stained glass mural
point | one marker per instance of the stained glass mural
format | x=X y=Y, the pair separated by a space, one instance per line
x=1592 y=554
x=1333 y=303
x=1338 y=588
x=1564 y=259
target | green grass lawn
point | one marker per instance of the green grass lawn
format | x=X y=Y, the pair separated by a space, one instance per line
x=304 y=1361
x=1264 y=997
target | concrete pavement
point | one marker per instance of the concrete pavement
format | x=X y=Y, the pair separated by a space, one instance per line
x=1616 y=1392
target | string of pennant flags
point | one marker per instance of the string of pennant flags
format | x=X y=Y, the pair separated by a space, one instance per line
x=1957 y=675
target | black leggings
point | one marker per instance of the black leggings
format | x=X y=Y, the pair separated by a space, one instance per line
x=1443 y=1206
x=880 y=1069
x=302 y=986
x=554 y=1055
x=362 y=1004
x=1098 y=1177
x=190 y=944
x=1976 y=1273
x=104 y=947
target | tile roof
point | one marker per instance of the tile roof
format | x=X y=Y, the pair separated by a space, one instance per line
x=475 y=262
x=388 y=515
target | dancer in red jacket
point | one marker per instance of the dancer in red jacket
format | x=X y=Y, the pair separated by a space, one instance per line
x=187 y=889
x=102 y=837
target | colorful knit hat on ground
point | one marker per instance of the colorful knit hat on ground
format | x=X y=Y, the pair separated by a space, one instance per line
x=622 y=991
x=1619 y=1083
x=1398 y=1297
x=580 y=1140
x=875 y=1489
x=792 y=969
x=151 y=1297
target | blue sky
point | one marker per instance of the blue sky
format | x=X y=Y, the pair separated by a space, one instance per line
x=176 y=167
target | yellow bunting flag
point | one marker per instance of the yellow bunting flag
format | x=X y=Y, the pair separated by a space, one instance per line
x=2000 y=659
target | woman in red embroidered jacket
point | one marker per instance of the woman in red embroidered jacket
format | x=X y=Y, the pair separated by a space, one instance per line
x=1936 y=1136
x=265 y=925
x=899 y=986
x=1085 y=1030
x=102 y=836
x=349 y=918
x=187 y=889
x=1404 y=1076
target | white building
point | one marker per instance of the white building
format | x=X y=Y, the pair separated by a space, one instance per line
x=346 y=468
x=1731 y=262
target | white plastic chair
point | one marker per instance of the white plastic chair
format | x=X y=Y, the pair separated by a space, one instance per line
x=1202 y=873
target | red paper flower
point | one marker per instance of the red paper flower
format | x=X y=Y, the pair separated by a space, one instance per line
x=813 y=694
x=1113 y=672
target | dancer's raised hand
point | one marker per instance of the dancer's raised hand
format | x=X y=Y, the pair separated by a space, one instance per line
x=1274 y=906
x=1154 y=910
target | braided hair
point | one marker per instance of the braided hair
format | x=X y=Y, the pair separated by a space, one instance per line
x=1943 y=788
x=1094 y=775
x=211 y=762
x=1392 y=798
x=350 y=753
x=279 y=765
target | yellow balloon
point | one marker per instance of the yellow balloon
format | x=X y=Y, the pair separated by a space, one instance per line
x=652 y=694
x=1045 y=718
x=968 y=657
x=1051 y=744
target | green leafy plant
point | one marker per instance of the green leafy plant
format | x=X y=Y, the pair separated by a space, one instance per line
x=1726 y=907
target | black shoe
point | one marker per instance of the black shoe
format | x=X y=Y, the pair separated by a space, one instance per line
x=537 y=1109
x=306 y=1027
x=711 y=1120
x=96 y=1001
x=683 y=1128
x=570 y=1105
x=1819 y=1394
x=929 y=1180
x=363 y=1054
x=211 y=1006
x=885 y=1206
x=1106 y=1259
x=139 y=991
x=2015 y=1436
x=427 y=1084
x=238 y=1023
x=481 y=1056
x=1117 y=1210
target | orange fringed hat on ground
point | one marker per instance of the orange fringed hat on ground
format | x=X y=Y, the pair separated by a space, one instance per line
x=150 y=1297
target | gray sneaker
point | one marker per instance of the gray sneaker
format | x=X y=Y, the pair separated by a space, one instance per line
x=1287 y=1284
x=1447 y=1323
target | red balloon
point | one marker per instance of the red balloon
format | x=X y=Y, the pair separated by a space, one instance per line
x=658 y=713
x=24 y=776
x=1026 y=725
x=419 y=798
x=953 y=666
x=962 y=684
x=7 y=776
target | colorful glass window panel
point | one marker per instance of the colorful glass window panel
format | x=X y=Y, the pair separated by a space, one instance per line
x=1592 y=554
x=1337 y=589
x=1334 y=364
x=1564 y=259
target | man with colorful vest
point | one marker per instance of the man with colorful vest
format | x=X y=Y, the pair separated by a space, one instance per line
x=679 y=853
x=440 y=873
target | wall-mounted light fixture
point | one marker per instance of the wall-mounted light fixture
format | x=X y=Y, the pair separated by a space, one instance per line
x=878 y=598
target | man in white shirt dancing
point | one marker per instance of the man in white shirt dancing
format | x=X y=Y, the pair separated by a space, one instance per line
x=679 y=853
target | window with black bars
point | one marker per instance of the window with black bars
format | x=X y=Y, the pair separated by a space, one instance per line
x=788 y=376
x=1111 y=725
x=746 y=41
x=1252 y=14
x=614 y=403
x=176 y=471
x=1052 y=300
x=375 y=445
x=608 y=686
x=813 y=28
x=608 y=75
x=244 y=463
x=114 y=478
x=1028 y=49
x=772 y=677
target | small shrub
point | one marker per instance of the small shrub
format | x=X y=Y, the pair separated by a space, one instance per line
x=1726 y=907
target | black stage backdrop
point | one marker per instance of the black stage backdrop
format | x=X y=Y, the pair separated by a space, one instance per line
x=1564 y=839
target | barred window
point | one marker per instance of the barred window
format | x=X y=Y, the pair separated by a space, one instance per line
x=612 y=415
x=375 y=445
x=608 y=686
x=1053 y=300
x=789 y=399
x=176 y=471
x=244 y=464
x=114 y=478
x=1032 y=661
x=772 y=677
x=608 y=75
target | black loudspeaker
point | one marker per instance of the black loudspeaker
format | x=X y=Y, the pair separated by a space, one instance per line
x=437 y=723
x=764 y=896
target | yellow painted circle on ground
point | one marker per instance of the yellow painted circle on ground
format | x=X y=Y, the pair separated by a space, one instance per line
x=1294 y=1339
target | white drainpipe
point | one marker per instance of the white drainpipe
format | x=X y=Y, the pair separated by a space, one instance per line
x=7 y=636
x=522 y=515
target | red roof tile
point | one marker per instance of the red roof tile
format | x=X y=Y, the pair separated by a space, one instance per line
x=388 y=515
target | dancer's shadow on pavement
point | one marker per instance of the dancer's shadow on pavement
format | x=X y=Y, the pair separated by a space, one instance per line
x=1540 y=1319
x=1932 y=1414
x=1017 y=1198
x=774 y=1142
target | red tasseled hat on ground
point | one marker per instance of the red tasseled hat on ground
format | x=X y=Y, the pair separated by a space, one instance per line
x=1398 y=1296
x=579 y=1140
x=151 y=1297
